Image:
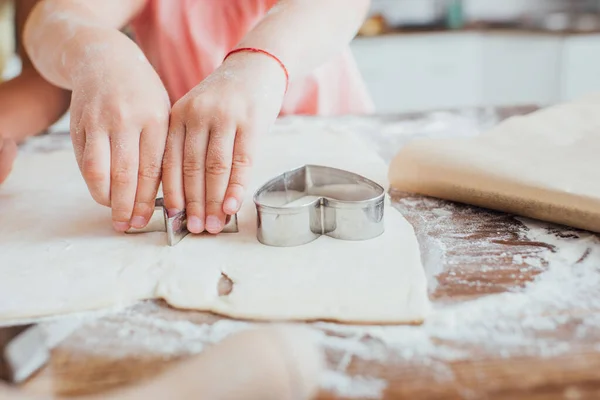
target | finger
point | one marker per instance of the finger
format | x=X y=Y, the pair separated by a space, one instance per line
x=172 y=168
x=218 y=169
x=241 y=166
x=152 y=147
x=8 y=153
x=95 y=166
x=194 y=158
x=78 y=140
x=124 y=167
x=287 y=365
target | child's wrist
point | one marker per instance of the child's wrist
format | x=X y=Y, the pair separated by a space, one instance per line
x=99 y=49
x=266 y=61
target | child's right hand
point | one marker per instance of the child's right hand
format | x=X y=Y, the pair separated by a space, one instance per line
x=8 y=153
x=119 y=106
x=119 y=122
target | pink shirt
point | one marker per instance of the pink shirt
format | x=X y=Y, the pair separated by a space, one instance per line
x=186 y=40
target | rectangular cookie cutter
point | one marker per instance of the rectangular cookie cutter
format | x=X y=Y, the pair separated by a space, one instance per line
x=175 y=226
x=302 y=204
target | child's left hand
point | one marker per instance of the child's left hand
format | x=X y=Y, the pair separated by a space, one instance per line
x=8 y=153
x=213 y=128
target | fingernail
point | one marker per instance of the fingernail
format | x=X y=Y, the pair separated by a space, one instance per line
x=230 y=205
x=171 y=212
x=138 y=222
x=120 y=226
x=194 y=224
x=213 y=224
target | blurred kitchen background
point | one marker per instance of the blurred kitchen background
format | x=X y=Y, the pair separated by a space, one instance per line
x=443 y=54
x=419 y=55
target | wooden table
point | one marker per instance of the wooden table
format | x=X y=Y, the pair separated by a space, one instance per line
x=471 y=256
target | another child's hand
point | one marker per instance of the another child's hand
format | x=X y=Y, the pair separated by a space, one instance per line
x=213 y=128
x=119 y=121
x=8 y=153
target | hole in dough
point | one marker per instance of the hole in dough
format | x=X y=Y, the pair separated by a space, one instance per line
x=225 y=285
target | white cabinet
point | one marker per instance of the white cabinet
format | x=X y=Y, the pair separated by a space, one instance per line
x=580 y=66
x=449 y=70
x=521 y=69
x=416 y=72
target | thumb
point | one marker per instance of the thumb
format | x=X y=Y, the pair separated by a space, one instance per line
x=8 y=153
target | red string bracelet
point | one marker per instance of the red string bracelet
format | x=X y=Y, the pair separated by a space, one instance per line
x=266 y=53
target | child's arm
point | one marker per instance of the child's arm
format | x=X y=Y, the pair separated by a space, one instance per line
x=119 y=107
x=306 y=33
x=28 y=103
x=214 y=127
x=8 y=153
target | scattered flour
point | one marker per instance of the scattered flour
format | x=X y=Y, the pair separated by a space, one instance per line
x=498 y=325
x=512 y=322
x=352 y=387
x=442 y=212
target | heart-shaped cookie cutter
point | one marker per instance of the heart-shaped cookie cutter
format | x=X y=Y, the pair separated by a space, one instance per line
x=302 y=204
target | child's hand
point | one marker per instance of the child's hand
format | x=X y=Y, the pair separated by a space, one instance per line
x=280 y=363
x=119 y=121
x=8 y=153
x=213 y=129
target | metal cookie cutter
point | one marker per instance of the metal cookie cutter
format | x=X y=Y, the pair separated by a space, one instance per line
x=300 y=205
x=175 y=226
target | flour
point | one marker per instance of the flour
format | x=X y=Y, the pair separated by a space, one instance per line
x=498 y=325
x=518 y=322
x=441 y=212
x=82 y=317
x=352 y=387
x=535 y=262
x=387 y=134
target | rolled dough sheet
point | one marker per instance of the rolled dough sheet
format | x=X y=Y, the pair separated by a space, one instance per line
x=58 y=253
x=543 y=165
